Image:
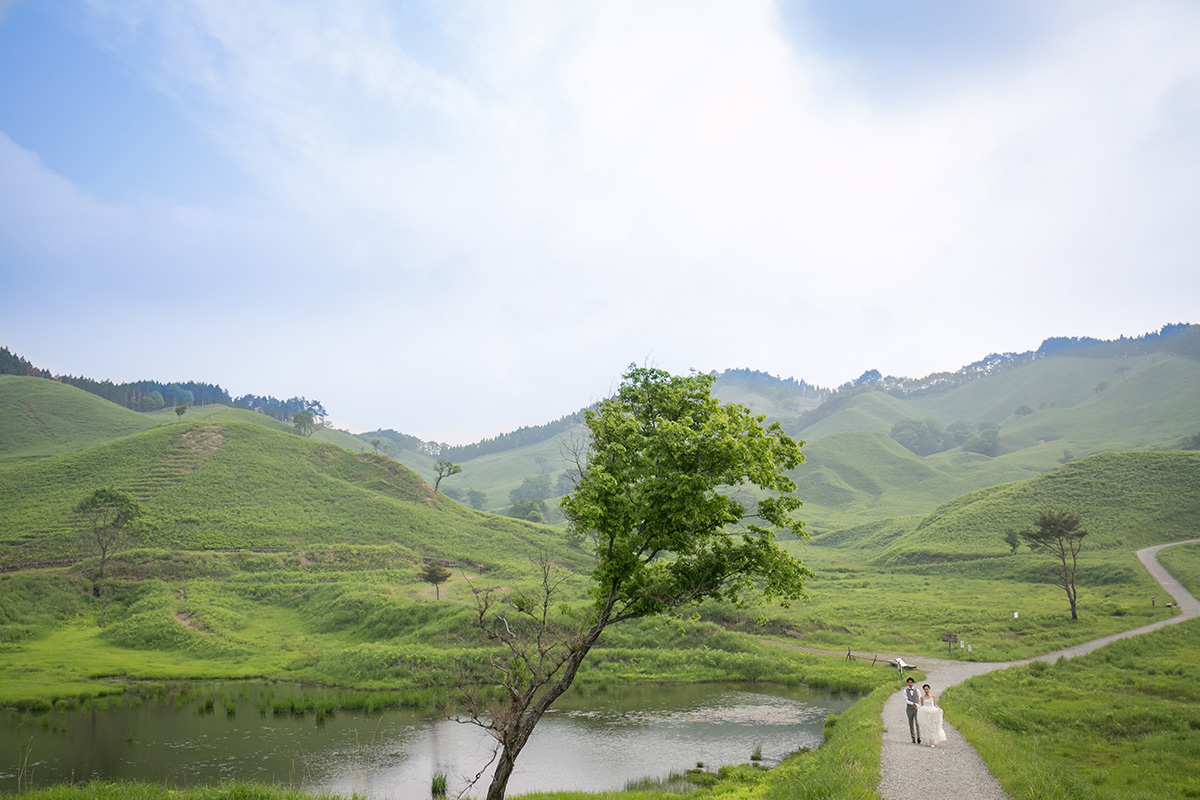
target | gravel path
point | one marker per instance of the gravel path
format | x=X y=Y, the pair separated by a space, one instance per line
x=908 y=770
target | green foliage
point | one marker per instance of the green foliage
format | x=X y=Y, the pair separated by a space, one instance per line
x=1059 y=534
x=923 y=437
x=1013 y=540
x=111 y=514
x=987 y=443
x=533 y=487
x=304 y=422
x=444 y=469
x=662 y=450
x=433 y=572
x=527 y=509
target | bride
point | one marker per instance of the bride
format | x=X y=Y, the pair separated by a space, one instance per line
x=929 y=717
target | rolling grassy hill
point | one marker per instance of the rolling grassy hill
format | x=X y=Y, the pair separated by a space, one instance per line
x=43 y=417
x=856 y=473
x=1111 y=397
x=210 y=485
x=1127 y=500
x=1105 y=397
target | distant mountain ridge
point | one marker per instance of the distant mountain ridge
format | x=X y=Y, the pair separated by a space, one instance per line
x=1180 y=338
x=1175 y=338
x=869 y=455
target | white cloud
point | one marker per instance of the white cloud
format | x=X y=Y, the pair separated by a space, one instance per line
x=521 y=198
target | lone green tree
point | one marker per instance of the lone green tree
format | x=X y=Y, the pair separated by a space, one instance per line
x=527 y=509
x=444 y=469
x=110 y=513
x=436 y=573
x=654 y=503
x=1013 y=540
x=1059 y=535
x=305 y=422
x=180 y=410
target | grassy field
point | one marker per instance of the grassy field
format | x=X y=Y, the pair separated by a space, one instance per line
x=1120 y=723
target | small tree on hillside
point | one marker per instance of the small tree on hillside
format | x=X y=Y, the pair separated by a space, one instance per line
x=653 y=502
x=305 y=422
x=110 y=512
x=1058 y=533
x=444 y=469
x=180 y=410
x=986 y=443
x=1013 y=540
x=436 y=573
x=528 y=510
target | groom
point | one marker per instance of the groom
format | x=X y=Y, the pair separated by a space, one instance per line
x=912 y=699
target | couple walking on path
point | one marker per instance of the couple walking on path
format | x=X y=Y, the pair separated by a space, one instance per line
x=923 y=710
x=908 y=773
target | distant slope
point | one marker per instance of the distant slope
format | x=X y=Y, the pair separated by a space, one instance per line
x=780 y=399
x=869 y=411
x=237 y=485
x=852 y=477
x=1153 y=406
x=1126 y=500
x=43 y=417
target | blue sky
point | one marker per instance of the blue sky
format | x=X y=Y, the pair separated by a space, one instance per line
x=454 y=219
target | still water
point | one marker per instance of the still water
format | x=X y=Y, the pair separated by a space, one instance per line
x=592 y=744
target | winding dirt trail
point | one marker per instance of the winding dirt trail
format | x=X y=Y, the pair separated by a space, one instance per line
x=907 y=770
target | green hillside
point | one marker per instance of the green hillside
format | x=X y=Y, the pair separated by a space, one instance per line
x=208 y=485
x=1057 y=381
x=849 y=478
x=1126 y=500
x=870 y=411
x=1152 y=408
x=1050 y=409
x=43 y=417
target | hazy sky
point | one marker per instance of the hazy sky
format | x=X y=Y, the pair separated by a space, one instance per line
x=457 y=218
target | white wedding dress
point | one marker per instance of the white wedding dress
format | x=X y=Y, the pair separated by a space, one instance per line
x=929 y=717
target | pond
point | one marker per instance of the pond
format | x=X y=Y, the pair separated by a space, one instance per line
x=229 y=732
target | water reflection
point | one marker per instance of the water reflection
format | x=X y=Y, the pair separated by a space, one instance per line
x=593 y=744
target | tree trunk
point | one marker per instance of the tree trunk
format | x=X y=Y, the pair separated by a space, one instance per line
x=504 y=768
x=513 y=740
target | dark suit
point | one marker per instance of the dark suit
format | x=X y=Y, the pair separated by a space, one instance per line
x=912 y=699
